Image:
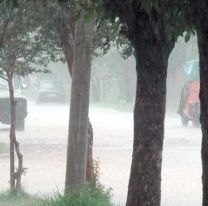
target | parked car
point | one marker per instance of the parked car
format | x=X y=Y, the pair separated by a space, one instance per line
x=50 y=91
x=21 y=107
x=189 y=107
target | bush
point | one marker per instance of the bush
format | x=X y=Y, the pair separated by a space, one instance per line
x=88 y=196
x=91 y=195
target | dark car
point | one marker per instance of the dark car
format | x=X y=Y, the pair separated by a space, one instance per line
x=50 y=91
x=21 y=107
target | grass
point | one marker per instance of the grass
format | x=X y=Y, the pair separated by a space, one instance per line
x=23 y=199
x=88 y=196
x=4 y=148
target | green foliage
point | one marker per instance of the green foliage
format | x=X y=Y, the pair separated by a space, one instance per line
x=188 y=34
x=108 y=30
x=170 y=18
x=88 y=196
x=22 y=199
x=24 y=49
x=94 y=194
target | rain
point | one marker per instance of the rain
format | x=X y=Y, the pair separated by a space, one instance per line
x=44 y=140
x=44 y=92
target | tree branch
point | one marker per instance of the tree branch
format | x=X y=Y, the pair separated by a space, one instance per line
x=6 y=25
x=4 y=78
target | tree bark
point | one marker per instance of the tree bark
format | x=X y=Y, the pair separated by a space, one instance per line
x=15 y=176
x=67 y=49
x=68 y=52
x=203 y=55
x=12 y=134
x=78 y=124
x=149 y=113
x=90 y=166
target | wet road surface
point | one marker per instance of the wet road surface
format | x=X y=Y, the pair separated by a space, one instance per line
x=44 y=140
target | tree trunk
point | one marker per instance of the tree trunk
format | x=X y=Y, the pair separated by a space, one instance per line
x=149 y=113
x=203 y=54
x=68 y=52
x=12 y=134
x=90 y=165
x=78 y=123
x=15 y=176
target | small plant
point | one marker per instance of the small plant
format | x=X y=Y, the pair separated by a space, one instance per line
x=93 y=194
x=88 y=196
x=96 y=175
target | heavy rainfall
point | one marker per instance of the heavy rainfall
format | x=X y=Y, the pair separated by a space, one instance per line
x=48 y=110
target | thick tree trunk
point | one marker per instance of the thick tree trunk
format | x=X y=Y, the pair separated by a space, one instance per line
x=149 y=113
x=66 y=44
x=68 y=52
x=78 y=124
x=203 y=54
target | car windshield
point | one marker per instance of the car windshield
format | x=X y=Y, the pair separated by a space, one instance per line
x=50 y=86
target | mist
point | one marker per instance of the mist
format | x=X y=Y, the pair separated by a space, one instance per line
x=112 y=97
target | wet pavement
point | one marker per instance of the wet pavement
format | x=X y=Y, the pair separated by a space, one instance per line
x=44 y=140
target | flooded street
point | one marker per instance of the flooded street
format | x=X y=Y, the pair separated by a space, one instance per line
x=44 y=142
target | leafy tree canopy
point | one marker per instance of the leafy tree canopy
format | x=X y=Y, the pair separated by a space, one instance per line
x=21 y=45
x=171 y=17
